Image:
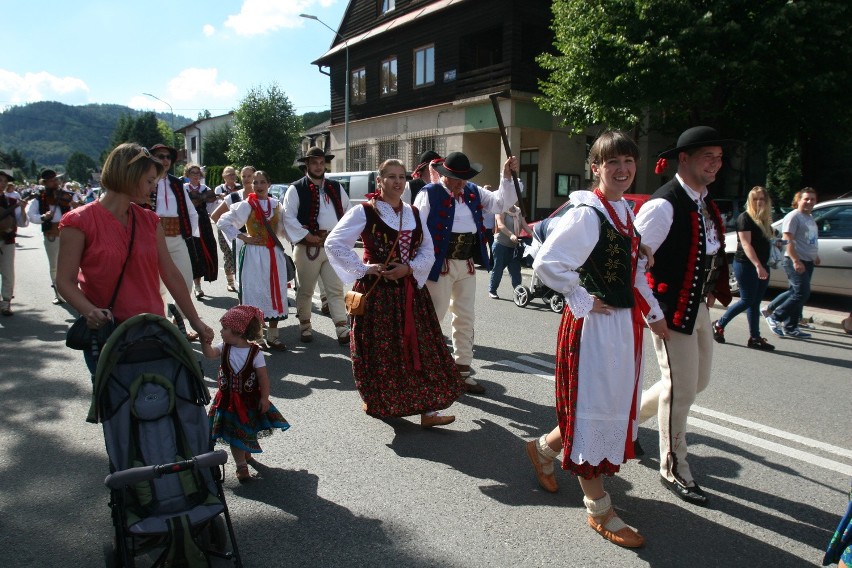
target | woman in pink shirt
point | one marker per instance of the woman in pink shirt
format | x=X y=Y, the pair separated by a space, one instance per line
x=93 y=245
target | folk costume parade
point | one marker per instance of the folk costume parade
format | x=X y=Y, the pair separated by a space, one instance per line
x=205 y=260
x=47 y=210
x=400 y=362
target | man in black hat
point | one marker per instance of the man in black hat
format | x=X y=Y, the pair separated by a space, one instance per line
x=47 y=210
x=453 y=211
x=12 y=216
x=179 y=218
x=685 y=231
x=421 y=176
x=312 y=207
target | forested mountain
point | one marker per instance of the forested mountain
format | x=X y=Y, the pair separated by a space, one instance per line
x=49 y=132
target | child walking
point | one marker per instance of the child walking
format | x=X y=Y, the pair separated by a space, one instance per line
x=241 y=412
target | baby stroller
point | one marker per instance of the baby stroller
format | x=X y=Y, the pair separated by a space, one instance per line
x=166 y=497
x=537 y=288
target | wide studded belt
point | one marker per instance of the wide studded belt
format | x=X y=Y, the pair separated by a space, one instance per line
x=461 y=246
x=171 y=226
x=712 y=264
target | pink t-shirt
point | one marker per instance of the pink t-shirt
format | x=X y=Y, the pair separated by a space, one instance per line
x=104 y=254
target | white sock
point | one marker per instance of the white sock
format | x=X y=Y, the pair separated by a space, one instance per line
x=546 y=455
x=599 y=508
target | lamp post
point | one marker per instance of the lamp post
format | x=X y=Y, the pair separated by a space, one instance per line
x=171 y=110
x=346 y=96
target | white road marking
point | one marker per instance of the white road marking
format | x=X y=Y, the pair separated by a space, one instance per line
x=737 y=435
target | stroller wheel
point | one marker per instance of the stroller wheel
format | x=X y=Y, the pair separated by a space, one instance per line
x=557 y=303
x=522 y=296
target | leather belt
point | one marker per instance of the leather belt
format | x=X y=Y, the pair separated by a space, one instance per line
x=312 y=250
x=461 y=246
x=171 y=226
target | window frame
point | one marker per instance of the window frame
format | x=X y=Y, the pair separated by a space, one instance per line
x=425 y=49
x=362 y=71
x=395 y=61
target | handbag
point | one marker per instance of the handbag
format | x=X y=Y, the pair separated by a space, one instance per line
x=80 y=336
x=356 y=302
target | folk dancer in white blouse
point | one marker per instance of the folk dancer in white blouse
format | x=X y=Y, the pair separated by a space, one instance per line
x=400 y=362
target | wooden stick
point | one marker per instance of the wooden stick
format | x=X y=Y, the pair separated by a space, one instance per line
x=506 y=145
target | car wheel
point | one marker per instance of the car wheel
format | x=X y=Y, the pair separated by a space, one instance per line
x=522 y=296
x=557 y=303
x=732 y=281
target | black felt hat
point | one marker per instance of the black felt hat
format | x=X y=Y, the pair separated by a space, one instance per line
x=697 y=137
x=425 y=158
x=315 y=152
x=172 y=151
x=457 y=166
x=9 y=177
x=48 y=175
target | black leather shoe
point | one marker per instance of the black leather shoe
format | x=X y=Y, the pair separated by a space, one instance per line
x=692 y=494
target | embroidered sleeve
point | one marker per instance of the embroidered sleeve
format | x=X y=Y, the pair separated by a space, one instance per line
x=564 y=252
x=424 y=257
x=339 y=243
x=291 y=209
x=233 y=219
x=500 y=200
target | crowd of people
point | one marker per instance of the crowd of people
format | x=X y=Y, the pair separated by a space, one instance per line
x=619 y=273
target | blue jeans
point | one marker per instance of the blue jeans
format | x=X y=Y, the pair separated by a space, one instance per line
x=790 y=310
x=752 y=289
x=504 y=257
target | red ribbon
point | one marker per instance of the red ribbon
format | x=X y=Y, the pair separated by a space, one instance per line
x=409 y=333
x=661 y=166
x=638 y=312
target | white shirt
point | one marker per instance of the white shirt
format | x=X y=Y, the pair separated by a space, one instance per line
x=167 y=206
x=235 y=218
x=326 y=217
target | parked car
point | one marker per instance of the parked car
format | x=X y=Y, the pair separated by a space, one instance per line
x=277 y=190
x=356 y=184
x=834 y=274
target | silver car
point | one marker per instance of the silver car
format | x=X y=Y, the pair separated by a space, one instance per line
x=834 y=274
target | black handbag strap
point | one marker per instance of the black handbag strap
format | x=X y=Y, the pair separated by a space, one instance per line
x=129 y=248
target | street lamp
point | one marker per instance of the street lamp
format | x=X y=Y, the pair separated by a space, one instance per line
x=171 y=110
x=346 y=97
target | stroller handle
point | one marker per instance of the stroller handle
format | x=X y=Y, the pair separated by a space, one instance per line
x=148 y=472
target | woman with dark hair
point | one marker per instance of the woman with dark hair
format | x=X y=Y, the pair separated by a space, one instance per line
x=94 y=240
x=400 y=361
x=751 y=267
x=261 y=263
x=591 y=258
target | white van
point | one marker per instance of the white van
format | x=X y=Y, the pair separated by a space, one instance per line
x=356 y=184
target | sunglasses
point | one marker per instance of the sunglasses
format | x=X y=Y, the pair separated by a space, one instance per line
x=163 y=157
x=143 y=153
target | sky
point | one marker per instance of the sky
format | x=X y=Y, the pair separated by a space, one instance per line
x=191 y=54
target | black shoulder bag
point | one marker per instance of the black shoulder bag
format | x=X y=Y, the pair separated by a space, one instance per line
x=80 y=336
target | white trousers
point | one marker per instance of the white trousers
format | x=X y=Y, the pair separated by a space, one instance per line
x=309 y=272
x=7 y=271
x=456 y=291
x=52 y=250
x=685 y=362
x=180 y=256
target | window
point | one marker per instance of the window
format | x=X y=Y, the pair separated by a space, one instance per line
x=422 y=141
x=358 y=158
x=388 y=149
x=424 y=66
x=386 y=6
x=193 y=143
x=358 y=86
x=388 y=77
x=481 y=49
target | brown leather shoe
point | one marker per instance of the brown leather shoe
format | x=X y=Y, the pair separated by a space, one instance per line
x=430 y=420
x=474 y=389
x=626 y=537
x=547 y=482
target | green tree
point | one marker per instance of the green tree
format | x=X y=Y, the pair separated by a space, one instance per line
x=768 y=71
x=167 y=135
x=266 y=131
x=215 y=146
x=143 y=129
x=80 y=167
x=204 y=114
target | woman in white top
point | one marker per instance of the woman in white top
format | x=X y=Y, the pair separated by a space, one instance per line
x=261 y=263
x=400 y=361
x=591 y=258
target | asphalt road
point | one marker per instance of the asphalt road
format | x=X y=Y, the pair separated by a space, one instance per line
x=767 y=442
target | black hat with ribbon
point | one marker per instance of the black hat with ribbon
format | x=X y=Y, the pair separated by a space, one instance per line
x=457 y=166
x=690 y=139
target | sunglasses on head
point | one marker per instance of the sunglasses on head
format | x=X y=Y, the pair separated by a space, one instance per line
x=143 y=153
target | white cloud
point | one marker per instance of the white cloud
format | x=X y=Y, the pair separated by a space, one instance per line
x=258 y=17
x=41 y=86
x=193 y=84
x=208 y=30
